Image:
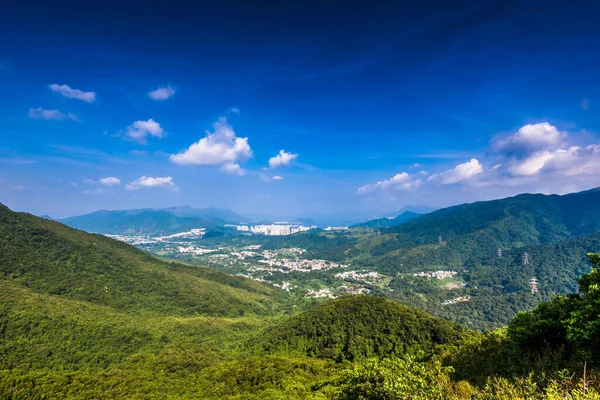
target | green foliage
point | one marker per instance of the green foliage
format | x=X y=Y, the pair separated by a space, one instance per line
x=86 y=317
x=358 y=327
x=396 y=379
x=570 y=323
x=50 y=258
x=138 y=222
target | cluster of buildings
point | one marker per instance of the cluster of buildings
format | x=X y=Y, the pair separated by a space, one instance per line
x=286 y=265
x=456 y=300
x=436 y=274
x=326 y=292
x=336 y=228
x=196 y=233
x=272 y=229
x=359 y=276
x=195 y=250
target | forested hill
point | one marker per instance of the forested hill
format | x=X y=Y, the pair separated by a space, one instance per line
x=387 y=222
x=145 y=221
x=358 y=327
x=470 y=232
x=459 y=235
x=48 y=257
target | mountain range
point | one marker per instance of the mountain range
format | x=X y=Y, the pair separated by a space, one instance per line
x=86 y=316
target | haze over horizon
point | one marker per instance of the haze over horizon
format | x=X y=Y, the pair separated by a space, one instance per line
x=294 y=110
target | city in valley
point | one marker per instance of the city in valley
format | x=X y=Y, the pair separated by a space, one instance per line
x=288 y=268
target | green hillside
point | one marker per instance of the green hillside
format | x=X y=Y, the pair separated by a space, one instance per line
x=51 y=258
x=85 y=317
x=142 y=222
x=468 y=232
x=387 y=222
x=358 y=327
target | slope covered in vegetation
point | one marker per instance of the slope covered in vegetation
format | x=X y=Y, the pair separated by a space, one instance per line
x=143 y=222
x=48 y=257
x=357 y=327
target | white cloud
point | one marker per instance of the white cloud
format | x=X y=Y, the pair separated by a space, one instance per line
x=40 y=113
x=56 y=115
x=162 y=93
x=268 y=178
x=217 y=148
x=235 y=110
x=401 y=181
x=281 y=159
x=536 y=158
x=233 y=169
x=147 y=181
x=66 y=91
x=140 y=130
x=461 y=172
x=110 y=181
x=529 y=139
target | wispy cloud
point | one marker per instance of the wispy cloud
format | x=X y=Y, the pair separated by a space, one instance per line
x=269 y=178
x=162 y=93
x=110 y=181
x=585 y=104
x=67 y=91
x=51 y=115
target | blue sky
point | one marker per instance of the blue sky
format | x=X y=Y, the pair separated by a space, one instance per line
x=375 y=106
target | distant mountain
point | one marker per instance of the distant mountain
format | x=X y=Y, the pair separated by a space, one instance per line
x=555 y=231
x=387 y=222
x=213 y=214
x=465 y=233
x=152 y=222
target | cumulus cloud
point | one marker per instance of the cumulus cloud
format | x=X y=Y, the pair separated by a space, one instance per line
x=401 y=181
x=535 y=158
x=546 y=153
x=110 y=181
x=67 y=91
x=141 y=130
x=217 y=148
x=56 y=115
x=528 y=140
x=233 y=169
x=461 y=172
x=148 y=182
x=281 y=159
x=162 y=93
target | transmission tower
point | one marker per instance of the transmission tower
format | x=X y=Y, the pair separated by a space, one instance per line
x=526 y=259
x=440 y=239
x=499 y=252
x=533 y=282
